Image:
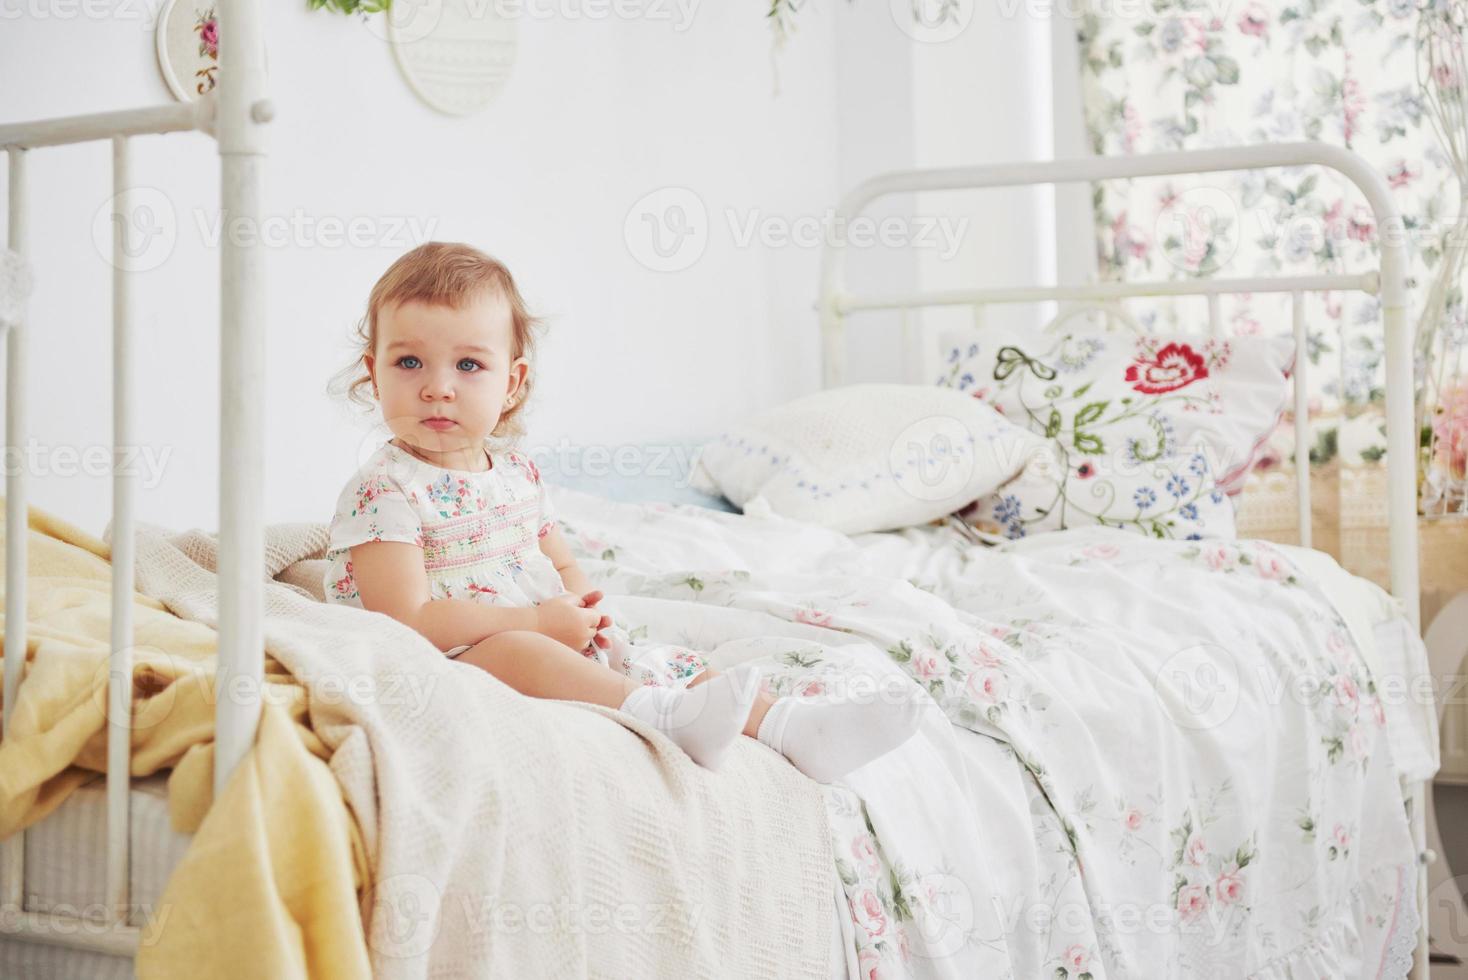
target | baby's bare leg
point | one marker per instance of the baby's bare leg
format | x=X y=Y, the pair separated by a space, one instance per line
x=535 y=664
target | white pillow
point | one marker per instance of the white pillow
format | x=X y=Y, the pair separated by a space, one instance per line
x=868 y=457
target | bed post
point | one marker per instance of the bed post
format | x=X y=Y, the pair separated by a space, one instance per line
x=241 y=128
x=12 y=891
x=1400 y=342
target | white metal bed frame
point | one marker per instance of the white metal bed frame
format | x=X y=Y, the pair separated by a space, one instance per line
x=237 y=114
x=1389 y=283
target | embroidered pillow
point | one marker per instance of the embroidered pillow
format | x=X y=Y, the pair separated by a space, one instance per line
x=1145 y=432
x=866 y=457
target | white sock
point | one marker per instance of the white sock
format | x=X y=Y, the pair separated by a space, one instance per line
x=704 y=720
x=827 y=739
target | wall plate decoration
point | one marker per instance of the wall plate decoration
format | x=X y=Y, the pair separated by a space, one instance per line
x=187 y=37
x=456 y=55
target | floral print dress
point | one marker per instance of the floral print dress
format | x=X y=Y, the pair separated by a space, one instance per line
x=480 y=534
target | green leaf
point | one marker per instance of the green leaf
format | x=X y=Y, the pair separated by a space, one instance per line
x=1010 y=358
x=1090 y=413
x=1052 y=427
x=1091 y=445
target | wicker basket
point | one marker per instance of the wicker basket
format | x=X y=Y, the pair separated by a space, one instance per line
x=1349 y=521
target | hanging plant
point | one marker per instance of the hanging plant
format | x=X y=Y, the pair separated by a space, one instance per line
x=779 y=16
x=363 y=7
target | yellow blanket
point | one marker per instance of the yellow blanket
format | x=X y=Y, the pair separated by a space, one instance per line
x=270 y=884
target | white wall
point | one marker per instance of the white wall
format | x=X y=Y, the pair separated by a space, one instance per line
x=597 y=114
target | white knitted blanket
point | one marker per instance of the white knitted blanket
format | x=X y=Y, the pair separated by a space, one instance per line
x=514 y=837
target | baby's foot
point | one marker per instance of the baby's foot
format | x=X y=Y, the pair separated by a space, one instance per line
x=827 y=739
x=703 y=720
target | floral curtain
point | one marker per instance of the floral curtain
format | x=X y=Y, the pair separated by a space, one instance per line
x=1186 y=74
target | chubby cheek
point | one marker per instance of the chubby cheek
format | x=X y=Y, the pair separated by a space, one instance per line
x=397 y=400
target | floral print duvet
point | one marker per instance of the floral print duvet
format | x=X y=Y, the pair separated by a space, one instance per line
x=1141 y=758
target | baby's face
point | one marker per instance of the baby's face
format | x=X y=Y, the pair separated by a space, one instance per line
x=443 y=375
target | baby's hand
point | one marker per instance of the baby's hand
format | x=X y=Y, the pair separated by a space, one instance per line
x=567 y=618
x=590 y=599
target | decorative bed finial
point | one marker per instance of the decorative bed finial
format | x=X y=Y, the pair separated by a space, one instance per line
x=15 y=287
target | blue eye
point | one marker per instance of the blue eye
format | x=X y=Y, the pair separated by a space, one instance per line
x=473 y=365
x=403 y=361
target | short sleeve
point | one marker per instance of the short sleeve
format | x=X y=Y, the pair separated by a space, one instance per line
x=546 y=518
x=374 y=508
x=547 y=512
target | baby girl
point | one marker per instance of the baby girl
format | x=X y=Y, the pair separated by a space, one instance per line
x=449 y=532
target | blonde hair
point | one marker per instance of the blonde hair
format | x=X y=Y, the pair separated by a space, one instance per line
x=442 y=274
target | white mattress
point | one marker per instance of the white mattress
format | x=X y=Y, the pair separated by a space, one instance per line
x=65 y=860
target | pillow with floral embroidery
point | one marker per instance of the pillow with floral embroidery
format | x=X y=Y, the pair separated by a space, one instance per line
x=867 y=457
x=1146 y=432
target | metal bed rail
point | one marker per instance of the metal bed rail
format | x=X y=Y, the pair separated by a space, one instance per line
x=1388 y=282
x=237 y=115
